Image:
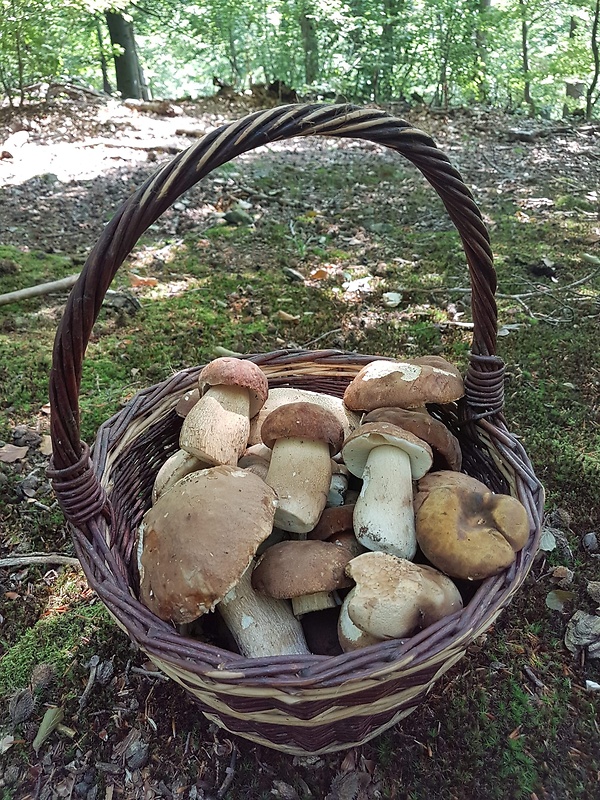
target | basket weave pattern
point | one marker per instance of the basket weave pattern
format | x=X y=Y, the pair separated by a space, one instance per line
x=296 y=704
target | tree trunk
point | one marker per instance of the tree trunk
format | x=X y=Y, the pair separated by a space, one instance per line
x=106 y=87
x=525 y=58
x=127 y=66
x=308 y=30
x=589 y=95
x=481 y=79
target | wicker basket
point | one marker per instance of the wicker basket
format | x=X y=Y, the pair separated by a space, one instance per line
x=304 y=704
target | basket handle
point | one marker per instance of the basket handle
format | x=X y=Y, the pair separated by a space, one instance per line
x=484 y=378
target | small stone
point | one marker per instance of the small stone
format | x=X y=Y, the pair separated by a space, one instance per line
x=593 y=590
x=590 y=542
x=563 y=575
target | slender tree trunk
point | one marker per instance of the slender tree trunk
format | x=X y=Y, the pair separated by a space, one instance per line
x=20 y=67
x=308 y=29
x=525 y=58
x=127 y=65
x=481 y=78
x=589 y=95
x=106 y=87
x=572 y=29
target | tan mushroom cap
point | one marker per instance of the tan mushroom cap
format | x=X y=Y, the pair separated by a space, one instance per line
x=303 y=421
x=407 y=384
x=426 y=427
x=228 y=371
x=394 y=597
x=469 y=534
x=295 y=568
x=198 y=539
x=359 y=444
x=445 y=477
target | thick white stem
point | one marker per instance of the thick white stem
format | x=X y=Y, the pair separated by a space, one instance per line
x=261 y=625
x=300 y=474
x=307 y=603
x=383 y=515
x=217 y=427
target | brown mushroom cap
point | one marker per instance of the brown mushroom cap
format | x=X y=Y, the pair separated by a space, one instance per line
x=295 y=568
x=187 y=401
x=426 y=427
x=228 y=371
x=333 y=521
x=406 y=384
x=446 y=477
x=198 y=539
x=471 y=535
x=303 y=421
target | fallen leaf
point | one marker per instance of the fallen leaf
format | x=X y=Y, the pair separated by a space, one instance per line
x=591 y=686
x=283 y=315
x=547 y=540
x=558 y=598
x=10 y=453
x=46 y=445
x=45 y=409
x=318 y=274
x=52 y=718
x=6 y=743
x=141 y=280
x=583 y=631
x=12 y=595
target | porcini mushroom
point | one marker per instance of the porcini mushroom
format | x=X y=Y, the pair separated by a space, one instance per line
x=194 y=549
x=407 y=384
x=303 y=437
x=394 y=597
x=387 y=459
x=471 y=534
x=216 y=428
x=305 y=572
x=444 y=444
x=175 y=467
x=444 y=478
x=350 y=635
x=283 y=395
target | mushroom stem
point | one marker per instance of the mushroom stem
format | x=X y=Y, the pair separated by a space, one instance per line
x=300 y=474
x=233 y=398
x=316 y=601
x=350 y=636
x=213 y=433
x=261 y=625
x=383 y=515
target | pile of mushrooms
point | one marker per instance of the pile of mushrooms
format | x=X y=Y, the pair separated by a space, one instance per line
x=297 y=518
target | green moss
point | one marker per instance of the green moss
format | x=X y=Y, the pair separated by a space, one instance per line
x=54 y=639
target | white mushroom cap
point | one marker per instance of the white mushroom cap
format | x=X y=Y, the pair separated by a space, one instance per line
x=358 y=445
x=394 y=597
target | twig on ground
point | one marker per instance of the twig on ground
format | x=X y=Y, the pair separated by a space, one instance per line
x=149 y=673
x=39 y=558
x=322 y=336
x=498 y=169
x=229 y=774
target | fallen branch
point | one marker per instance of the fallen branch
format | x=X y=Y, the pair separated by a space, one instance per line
x=35 y=291
x=39 y=558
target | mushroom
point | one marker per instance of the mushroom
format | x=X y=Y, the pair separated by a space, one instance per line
x=175 y=467
x=261 y=625
x=334 y=520
x=350 y=636
x=216 y=428
x=338 y=485
x=445 y=446
x=280 y=396
x=194 y=549
x=471 y=534
x=305 y=571
x=387 y=459
x=445 y=477
x=187 y=401
x=303 y=437
x=394 y=597
x=407 y=384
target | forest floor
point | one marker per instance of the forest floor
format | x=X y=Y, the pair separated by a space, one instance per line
x=335 y=244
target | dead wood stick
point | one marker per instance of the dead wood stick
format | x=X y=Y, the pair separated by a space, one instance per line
x=35 y=291
x=39 y=558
